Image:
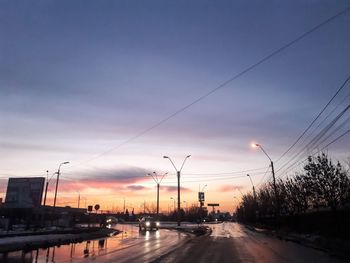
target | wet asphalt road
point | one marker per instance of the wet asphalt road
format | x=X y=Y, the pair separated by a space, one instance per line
x=228 y=242
x=231 y=242
x=128 y=246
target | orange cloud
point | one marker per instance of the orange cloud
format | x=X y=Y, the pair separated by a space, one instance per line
x=230 y=188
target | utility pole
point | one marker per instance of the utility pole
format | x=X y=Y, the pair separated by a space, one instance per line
x=178 y=172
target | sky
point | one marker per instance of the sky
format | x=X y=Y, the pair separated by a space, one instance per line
x=89 y=81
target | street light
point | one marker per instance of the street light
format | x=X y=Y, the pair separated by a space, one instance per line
x=256 y=145
x=58 y=177
x=201 y=190
x=156 y=179
x=253 y=186
x=178 y=172
x=174 y=202
x=47 y=185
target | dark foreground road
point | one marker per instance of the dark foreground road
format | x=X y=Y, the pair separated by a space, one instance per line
x=231 y=242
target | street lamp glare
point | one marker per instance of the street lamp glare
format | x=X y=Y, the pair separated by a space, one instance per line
x=255 y=145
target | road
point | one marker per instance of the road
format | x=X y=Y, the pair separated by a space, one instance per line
x=128 y=246
x=228 y=242
x=231 y=242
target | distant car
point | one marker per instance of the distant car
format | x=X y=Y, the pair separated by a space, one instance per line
x=148 y=223
x=111 y=220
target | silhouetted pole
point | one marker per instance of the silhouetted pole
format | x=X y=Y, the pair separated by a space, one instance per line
x=58 y=177
x=173 y=202
x=178 y=172
x=253 y=187
x=157 y=199
x=47 y=185
x=273 y=176
x=156 y=179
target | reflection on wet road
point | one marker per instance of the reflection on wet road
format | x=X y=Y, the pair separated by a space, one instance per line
x=232 y=242
x=128 y=246
x=228 y=242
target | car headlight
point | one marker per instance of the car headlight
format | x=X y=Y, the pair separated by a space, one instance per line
x=148 y=223
x=157 y=223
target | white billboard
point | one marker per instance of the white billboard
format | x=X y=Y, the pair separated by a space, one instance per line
x=24 y=192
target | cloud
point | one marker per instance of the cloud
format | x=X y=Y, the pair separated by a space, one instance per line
x=230 y=188
x=136 y=187
x=109 y=179
x=125 y=175
x=171 y=189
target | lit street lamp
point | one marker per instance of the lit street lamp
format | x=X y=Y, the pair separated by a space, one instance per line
x=58 y=177
x=256 y=145
x=156 y=179
x=178 y=172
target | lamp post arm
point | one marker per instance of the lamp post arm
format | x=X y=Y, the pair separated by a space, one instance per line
x=183 y=163
x=172 y=163
x=153 y=178
x=265 y=152
x=162 y=177
x=250 y=179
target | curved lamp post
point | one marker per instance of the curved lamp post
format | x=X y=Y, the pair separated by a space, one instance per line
x=252 y=186
x=256 y=145
x=178 y=172
x=58 y=177
x=156 y=179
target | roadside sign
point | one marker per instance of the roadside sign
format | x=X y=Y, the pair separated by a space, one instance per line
x=201 y=196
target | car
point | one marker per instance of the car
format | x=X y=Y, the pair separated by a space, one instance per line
x=148 y=223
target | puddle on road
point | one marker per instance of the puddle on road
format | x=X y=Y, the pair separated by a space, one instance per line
x=74 y=250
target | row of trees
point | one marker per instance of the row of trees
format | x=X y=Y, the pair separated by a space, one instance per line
x=322 y=185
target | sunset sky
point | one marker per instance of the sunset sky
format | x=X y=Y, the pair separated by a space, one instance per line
x=89 y=81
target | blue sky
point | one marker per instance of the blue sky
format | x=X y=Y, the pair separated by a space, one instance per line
x=78 y=78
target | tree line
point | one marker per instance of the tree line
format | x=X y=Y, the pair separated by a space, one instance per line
x=322 y=185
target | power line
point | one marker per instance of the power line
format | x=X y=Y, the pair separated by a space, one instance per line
x=310 y=125
x=326 y=146
x=316 y=139
x=225 y=83
x=228 y=173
